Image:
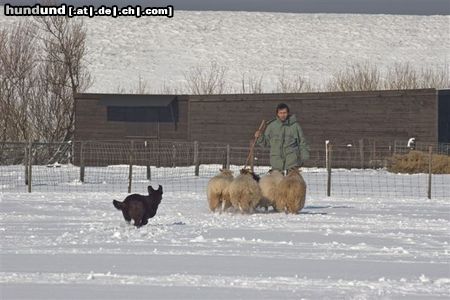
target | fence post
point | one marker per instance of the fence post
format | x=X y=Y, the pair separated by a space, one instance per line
x=30 y=163
x=82 y=161
x=130 y=170
x=25 y=164
x=196 y=159
x=72 y=153
x=174 y=155
x=158 y=153
x=228 y=157
x=328 y=165
x=361 y=152
x=149 y=171
x=374 y=155
x=430 y=158
x=252 y=156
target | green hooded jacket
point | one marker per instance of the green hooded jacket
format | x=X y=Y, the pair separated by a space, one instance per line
x=288 y=146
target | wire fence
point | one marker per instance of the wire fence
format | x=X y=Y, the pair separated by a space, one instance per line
x=130 y=166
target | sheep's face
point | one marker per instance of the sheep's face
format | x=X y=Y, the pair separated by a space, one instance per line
x=226 y=172
x=294 y=172
x=249 y=172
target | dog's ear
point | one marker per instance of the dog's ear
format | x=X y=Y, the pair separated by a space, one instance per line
x=118 y=204
x=150 y=189
x=160 y=189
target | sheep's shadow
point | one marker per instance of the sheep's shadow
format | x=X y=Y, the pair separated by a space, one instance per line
x=312 y=213
x=272 y=211
x=327 y=206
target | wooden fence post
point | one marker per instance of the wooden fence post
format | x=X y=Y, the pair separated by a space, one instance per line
x=82 y=165
x=252 y=155
x=30 y=163
x=130 y=170
x=158 y=153
x=430 y=169
x=374 y=155
x=228 y=157
x=196 y=159
x=174 y=155
x=328 y=165
x=25 y=164
x=149 y=171
x=361 y=152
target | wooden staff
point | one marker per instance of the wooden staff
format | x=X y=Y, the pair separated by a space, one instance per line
x=252 y=145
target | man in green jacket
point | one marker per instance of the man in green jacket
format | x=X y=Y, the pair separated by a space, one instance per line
x=284 y=136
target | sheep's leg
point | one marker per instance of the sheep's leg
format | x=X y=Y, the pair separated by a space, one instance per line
x=214 y=202
x=226 y=202
x=225 y=205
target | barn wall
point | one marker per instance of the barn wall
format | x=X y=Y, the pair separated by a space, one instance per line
x=339 y=117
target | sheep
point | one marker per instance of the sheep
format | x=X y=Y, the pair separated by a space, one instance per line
x=217 y=190
x=269 y=189
x=244 y=190
x=291 y=192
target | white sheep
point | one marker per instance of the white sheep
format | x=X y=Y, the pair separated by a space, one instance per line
x=244 y=190
x=217 y=190
x=269 y=189
x=291 y=192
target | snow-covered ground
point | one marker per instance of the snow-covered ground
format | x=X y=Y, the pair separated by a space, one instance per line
x=160 y=50
x=57 y=245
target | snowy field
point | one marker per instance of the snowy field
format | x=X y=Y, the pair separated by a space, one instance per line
x=161 y=50
x=76 y=245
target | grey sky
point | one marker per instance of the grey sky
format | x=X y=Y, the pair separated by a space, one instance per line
x=410 y=7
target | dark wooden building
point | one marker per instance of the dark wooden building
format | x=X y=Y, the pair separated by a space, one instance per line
x=341 y=117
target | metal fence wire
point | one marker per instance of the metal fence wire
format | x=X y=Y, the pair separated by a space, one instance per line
x=130 y=166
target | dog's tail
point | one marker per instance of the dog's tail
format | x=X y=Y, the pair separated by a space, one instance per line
x=118 y=204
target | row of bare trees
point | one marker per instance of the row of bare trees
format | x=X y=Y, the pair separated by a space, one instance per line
x=42 y=67
x=369 y=77
x=211 y=79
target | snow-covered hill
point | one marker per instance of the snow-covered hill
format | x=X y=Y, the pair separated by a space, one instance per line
x=160 y=50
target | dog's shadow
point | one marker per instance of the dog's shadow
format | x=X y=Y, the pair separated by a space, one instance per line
x=180 y=223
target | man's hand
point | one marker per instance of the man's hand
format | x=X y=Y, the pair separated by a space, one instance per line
x=257 y=134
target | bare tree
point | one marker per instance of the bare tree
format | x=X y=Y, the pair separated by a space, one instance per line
x=358 y=77
x=168 y=90
x=206 y=81
x=17 y=80
x=367 y=77
x=41 y=69
x=401 y=76
x=63 y=74
x=293 y=84
x=251 y=84
x=437 y=77
x=405 y=76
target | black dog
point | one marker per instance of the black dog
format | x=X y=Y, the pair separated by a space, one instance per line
x=140 y=208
